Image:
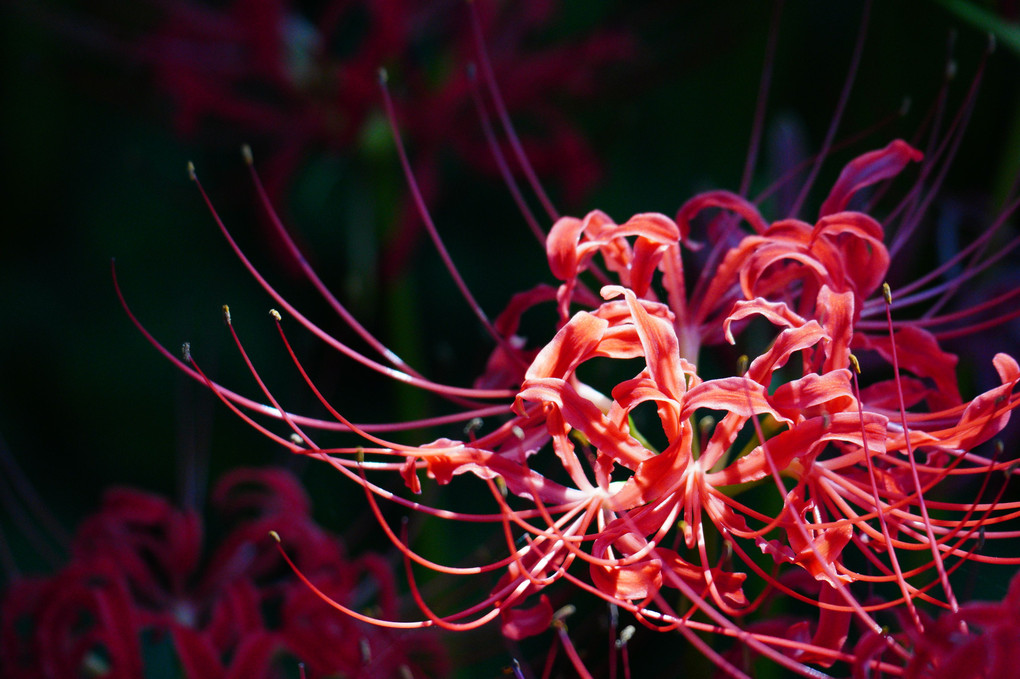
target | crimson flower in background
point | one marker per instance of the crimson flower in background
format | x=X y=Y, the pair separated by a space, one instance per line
x=140 y=589
x=629 y=453
x=299 y=82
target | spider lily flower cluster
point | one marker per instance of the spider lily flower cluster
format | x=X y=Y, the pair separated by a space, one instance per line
x=138 y=587
x=795 y=475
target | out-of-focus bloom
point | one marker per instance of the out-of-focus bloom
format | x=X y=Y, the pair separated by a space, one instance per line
x=299 y=80
x=140 y=589
x=266 y=70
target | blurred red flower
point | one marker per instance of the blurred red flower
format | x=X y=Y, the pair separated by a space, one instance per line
x=139 y=588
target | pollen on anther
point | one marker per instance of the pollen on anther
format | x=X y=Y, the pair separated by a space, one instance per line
x=855 y=364
x=191 y=171
x=226 y=314
x=705 y=424
x=276 y=536
x=297 y=440
x=186 y=352
x=565 y=612
x=246 y=154
x=887 y=293
x=276 y=315
x=473 y=425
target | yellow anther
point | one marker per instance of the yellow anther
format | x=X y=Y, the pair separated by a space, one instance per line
x=887 y=293
x=191 y=171
x=273 y=534
x=246 y=154
x=743 y=363
x=276 y=315
x=226 y=314
x=706 y=423
x=856 y=366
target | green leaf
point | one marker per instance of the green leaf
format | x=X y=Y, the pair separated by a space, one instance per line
x=1006 y=33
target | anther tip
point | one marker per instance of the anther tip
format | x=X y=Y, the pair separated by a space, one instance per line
x=246 y=154
x=276 y=315
x=276 y=536
x=565 y=612
x=186 y=352
x=384 y=76
x=191 y=171
x=887 y=293
x=626 y=634
x=855 y=364
x=226 y=314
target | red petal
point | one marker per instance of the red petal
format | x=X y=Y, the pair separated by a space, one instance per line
x=866 y=170
x=520 y=623
x=724 y=200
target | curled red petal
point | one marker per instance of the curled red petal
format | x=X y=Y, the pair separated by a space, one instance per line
x=724 y=200
x=519 y=623
x=868 y=169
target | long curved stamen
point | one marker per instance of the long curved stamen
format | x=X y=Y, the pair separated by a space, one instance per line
x=336 y=604
x=879 y=511
x=946 y=151
x=504 y=116
x=312 y=276
x=837 y=116
x=497 y=154
x=269 y=411
x=764 y=87
x=936 y=555
x=392 y=373
x=430 y=226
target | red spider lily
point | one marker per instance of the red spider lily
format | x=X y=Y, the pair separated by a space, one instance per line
x=138 y=580
x=854 y=492
x=623 y=496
